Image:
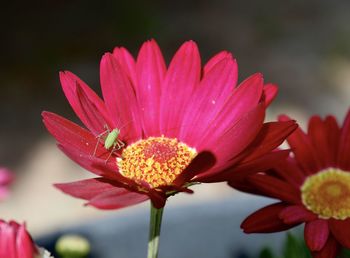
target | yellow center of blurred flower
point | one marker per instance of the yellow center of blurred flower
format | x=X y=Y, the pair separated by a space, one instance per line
x=155 y=160
x=327 y=193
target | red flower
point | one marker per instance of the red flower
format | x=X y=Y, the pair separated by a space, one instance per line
x=6 y=178
x=174 y=126
x=15 y=241
x=313 y=186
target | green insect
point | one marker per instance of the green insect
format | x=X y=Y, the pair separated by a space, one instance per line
x=111 y=141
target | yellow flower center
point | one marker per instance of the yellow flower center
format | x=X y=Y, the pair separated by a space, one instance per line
x=327 y=193
x=155 y=160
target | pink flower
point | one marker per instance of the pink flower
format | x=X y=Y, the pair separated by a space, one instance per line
x=171 y=127
x=15 y=241
x=6 y=178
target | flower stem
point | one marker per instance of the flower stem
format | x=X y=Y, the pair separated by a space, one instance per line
x=154 y=231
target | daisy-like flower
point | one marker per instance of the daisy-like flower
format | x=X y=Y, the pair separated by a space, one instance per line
x=6 y=178
x=313 y=186
x=160 y=129
x=15 y=242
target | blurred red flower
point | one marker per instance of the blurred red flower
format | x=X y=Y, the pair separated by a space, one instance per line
x=15 y=241
x=159 y=130
x=6 y=178
x=313 y=186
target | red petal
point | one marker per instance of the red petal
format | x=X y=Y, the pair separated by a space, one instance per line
x=316 y=234
x=270 y=92
x=303 y=150
x=182 y=77
x=330 y=249
x=265 y=220
x=117 y=199
x=289 y=171
x=296 y=214
x=333 y=136
x=276 y=188
x=120 y=98
x=215 y=60
x=340 y=230
x=344 y=148
x=150 y=70
x=318 y=133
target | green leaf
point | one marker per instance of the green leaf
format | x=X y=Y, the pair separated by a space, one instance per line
x=266 y=252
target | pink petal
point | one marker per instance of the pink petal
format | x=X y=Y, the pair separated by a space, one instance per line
x=330 y=249
x=6 y=176
x=276 y=188
x=316 y=234
x=238 y=172
x=340 y=230
x=181 y=79
x=117 y=199
x=207 y=101
x=270 y=92
x=151 y=70
x=270 y=137
x=127 y=62
x=303 y=150
x=215 y=60
x=89 y=188
x=7 y=241
x=70 y=85
x=344 y=148
x=296 y=214
x=120 y=98
x=265 y=220
x=237 y=136
x=24 y=243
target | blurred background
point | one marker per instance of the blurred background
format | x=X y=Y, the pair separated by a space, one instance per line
x=303 y=46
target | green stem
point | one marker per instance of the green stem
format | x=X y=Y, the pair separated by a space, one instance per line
x=154 y=231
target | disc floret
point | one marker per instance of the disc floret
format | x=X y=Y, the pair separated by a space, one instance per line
x=155 y=160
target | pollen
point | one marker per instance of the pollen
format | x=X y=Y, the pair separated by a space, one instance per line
x=155 y=160
x=327 y=194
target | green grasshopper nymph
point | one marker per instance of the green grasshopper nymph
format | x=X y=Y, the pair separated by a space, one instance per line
x=111 y=141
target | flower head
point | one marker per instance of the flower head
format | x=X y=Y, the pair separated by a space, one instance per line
x=313 y=186
x=15 y=241
x=6 y=178
x=161 y=129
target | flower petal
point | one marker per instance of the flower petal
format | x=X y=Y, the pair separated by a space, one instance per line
x=120 y=98
x=181 y=79
x=79 y=94
x=24 y=243
x=270 y=92
x=344 y=148
x=276 y=188
x=88 y=188
x=340 y=230
x=265 y=220
x=208 y=101
x=7 y=241
x=116 y=199
x=296 y=214
x=330 y=249
x=290 y=172
x=303 y=150
x=127 y=62
x=316 y=234
x=270 y=136
x=215 y=60
x=150 y=70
